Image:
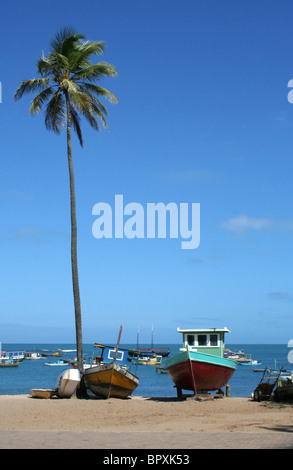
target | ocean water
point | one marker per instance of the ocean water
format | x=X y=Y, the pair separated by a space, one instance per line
x=35 y=374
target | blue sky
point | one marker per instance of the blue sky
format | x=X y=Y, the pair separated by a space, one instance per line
x=203 y=117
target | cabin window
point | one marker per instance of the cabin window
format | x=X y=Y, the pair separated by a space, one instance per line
x=202 y=340
x=111 y=355
x=213 y=340
x=190 y=340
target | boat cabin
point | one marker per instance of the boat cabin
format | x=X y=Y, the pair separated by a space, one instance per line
x=105 y=354
x=209 y=341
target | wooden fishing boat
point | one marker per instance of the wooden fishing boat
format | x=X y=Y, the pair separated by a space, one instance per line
x=111 y=380
x=200 y=366
x=41 y=393
x=110 y=377
x=67 y=383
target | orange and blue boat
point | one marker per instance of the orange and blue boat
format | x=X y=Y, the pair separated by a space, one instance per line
x=201 y=365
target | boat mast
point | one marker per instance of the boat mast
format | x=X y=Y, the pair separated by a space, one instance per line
x=137 y=338
x=114 y=362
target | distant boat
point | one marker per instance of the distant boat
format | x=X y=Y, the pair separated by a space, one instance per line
x=62 y=363
x=111 y=378
x=151 y=351
x=11 y=356
x=8 y=362
x=52 y=354
x=240 y=357
x=250 y=363
x=7 y=359
x=164 y=352
x=67 y=383
x=32 y=355
x=201 y=366
x=148 y=361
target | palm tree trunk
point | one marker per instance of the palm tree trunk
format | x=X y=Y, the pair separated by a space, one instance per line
x=75 y=282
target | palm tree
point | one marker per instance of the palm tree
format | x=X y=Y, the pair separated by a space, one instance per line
x=67 y=85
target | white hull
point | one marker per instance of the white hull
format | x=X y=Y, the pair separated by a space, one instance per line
x=57 y=364
x=67 y=383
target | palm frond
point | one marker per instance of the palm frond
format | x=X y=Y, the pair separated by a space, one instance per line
x=40 y=99
x=44 y=67
x=94 y=102
x=98 y=110
x=53 y=66
x=30 y=86
x=100 y=91
x=85 y=50
x=64 y=40
x=94 y=72
x=55 y=113
x=84 y=105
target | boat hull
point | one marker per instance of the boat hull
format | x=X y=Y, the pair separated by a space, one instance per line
x=8 y=363
x=200 y=372
x=67 y=383
x=110 y=380
x=58 y=364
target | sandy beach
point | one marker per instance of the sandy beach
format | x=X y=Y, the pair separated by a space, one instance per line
x=145 y=423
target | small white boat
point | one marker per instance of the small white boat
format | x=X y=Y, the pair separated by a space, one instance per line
x=67 y=383
x=251 y=363
x=58 y=363
x=41 y=393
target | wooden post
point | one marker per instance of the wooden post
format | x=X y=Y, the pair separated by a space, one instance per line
x=191 y=371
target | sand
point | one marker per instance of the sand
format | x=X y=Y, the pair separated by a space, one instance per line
x=144 y=423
